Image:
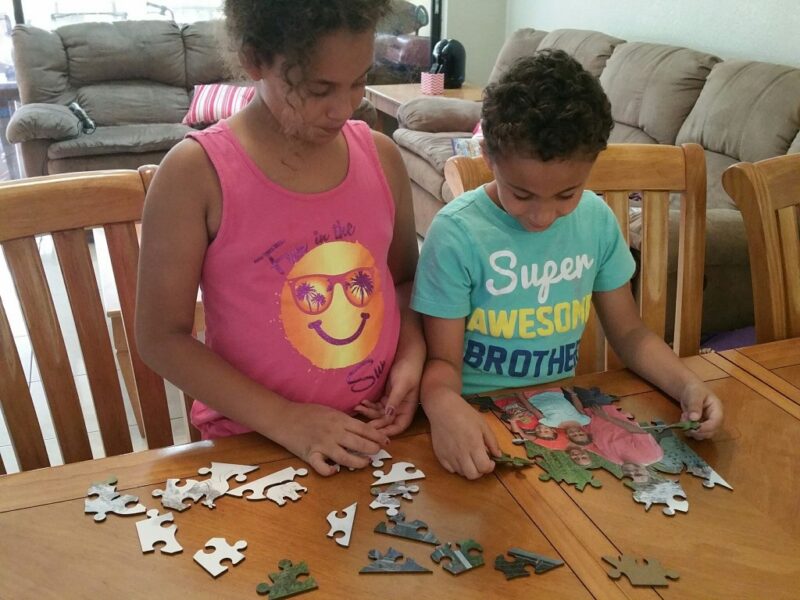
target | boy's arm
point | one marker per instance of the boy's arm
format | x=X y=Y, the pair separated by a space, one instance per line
x=402 y=388
x=649 y=356
x=460 y=434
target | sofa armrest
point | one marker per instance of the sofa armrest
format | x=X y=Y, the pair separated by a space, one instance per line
x=436 y=115
x=42 y=121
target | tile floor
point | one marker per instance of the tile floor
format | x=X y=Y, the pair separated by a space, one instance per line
x=20 y=333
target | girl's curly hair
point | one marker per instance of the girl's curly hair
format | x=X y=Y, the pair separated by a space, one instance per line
x=291 y=28
x=546 y=106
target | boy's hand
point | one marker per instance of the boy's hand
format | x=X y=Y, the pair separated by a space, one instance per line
x=320 y=435
x=698 y=403
x=462 y=441
x=395 y=411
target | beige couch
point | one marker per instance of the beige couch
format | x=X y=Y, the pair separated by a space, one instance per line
x=133 y=78
x=737 y=110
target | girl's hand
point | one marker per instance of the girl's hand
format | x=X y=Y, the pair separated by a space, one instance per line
x=698 y=403
x=462 y=441
x=320 y=436
x=393 y=413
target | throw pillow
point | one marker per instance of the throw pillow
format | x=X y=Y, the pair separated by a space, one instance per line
x=216 y=101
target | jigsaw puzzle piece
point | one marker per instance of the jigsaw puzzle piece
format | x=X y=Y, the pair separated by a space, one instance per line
x=174 y=494
x=109 y=500
x=515 y=462
x=258 y=486
x=287 y=582
x=660 y=491
x=482 y=403
x=559 y=467
x=411 y=530
x=592 y=396
x=342 y=525
x=677 y=455
x=212 y=561
x=389 y=563
x=648 y=572
x=541 y=564
x=400 y=471
x=290 y=490
x=387 y=498
x=467 y=555
x=151 y=532
x=217 y=484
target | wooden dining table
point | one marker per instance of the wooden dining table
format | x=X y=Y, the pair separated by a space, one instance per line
x=743 y=543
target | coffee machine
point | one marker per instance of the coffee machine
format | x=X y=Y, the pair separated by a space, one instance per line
x=450 y=58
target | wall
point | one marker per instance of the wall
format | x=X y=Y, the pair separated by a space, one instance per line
x=766 y=30
x=481 y=26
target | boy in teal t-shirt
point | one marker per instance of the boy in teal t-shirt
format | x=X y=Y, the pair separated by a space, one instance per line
x=508 y=272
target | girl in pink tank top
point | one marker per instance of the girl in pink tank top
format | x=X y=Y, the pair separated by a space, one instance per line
x=296 y=224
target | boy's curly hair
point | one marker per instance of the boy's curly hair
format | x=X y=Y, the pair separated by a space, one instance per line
x=291 y=28
x=546 y=106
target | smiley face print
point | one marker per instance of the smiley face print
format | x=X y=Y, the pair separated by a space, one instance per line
x=332 y=306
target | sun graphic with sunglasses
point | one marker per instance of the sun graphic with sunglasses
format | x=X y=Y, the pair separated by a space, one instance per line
x=332 y=306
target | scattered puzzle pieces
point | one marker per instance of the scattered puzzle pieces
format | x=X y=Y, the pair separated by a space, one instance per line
x=290 y=490
x=400 y=471
x=151 y=532
x=592 y=396
x=523 y=558
x=173 y=495
x=258 y=486
x=212 y=561
x=411 y=530
x=648 y=572
x=389 y=563
x=217 y=485
x=342 y=525
x=660 y=491
x=109 y=500
x=483 y=403
x=287 y=582
x=467 y=556
x=388 y=498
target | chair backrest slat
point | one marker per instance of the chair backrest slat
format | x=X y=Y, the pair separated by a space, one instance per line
x=768 y=195
x=653 y=277
x=17 y=404
x=65 y=207
x=87 y=311
x=47 y=341
x=123 y=247
x=656 y=170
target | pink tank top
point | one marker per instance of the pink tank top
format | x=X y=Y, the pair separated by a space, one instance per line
x=296 y=288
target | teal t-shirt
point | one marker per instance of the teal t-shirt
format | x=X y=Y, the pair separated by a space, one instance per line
x=526 y=296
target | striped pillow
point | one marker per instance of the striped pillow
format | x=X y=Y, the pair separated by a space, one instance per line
x=216 y=101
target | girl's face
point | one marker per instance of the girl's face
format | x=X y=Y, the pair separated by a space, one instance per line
x=322 y=98
x=536 y=193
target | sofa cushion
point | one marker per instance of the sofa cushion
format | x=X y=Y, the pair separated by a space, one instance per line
x=716 y=196
x=626 y=134
x=523 y=42
x=150 y=50
x=590 y=48
x=795 y=147
x=435 y=115
x=41 y=66
x=747 y=110
x=434 y=148
x=653 y=87
x=120 y=139
x=133 y=102
x=204 y=59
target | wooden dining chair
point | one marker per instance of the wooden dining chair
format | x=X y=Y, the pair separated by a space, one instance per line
x=656 y=171
x=768 y=195
x=65 y=207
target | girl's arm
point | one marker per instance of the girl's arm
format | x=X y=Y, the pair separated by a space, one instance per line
x=181 y=215
x=649 y=356
x=402 y=388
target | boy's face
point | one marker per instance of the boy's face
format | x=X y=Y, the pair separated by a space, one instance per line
x=536 y=193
